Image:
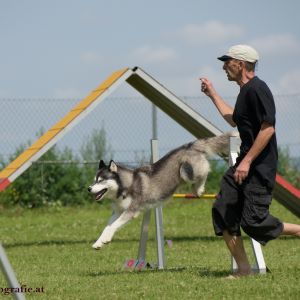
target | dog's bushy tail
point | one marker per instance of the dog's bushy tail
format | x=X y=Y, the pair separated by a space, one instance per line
x=215 y=145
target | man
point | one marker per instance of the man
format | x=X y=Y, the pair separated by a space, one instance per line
x=246 y=188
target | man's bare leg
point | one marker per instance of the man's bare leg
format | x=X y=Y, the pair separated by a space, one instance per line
x=236 y=247
x=291 y=229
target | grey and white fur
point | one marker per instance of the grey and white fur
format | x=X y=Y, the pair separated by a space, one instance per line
x=133 y=190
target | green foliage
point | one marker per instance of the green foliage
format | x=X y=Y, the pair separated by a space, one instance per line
x=48 y=183
x=218 y=168
x=93 y=149
x=287 y=167
x=96 y=147
x=57 y=178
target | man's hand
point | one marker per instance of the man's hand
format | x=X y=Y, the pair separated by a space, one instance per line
x=207 y=87
x=262 y=139
x=225 y=110
x=242 y=171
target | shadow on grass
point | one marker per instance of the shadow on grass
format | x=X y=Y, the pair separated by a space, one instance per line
x=74 y=242
x=58 y=243
x=201 y=272
x=134 y=272
x=177 y=239
x=193 y=238
x=213 y=273
x=45 y=243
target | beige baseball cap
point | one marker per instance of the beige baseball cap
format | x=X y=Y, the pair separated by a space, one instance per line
x=241 y=52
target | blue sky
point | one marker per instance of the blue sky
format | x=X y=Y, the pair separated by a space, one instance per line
x=66 y=48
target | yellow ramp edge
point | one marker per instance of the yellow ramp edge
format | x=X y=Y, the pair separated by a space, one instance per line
x=20 y=160
x=99 y=90
x=44 y=139
x=88 y=100
x=111 y=79
x=6 y=173
x=66 y=120
x=60 y=125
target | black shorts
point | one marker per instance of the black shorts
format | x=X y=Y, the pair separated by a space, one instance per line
x=245 y=206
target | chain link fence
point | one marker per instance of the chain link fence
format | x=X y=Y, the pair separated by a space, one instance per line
x=128 y=124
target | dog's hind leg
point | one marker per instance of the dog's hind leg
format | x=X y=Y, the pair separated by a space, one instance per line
x=186 y=172
x=201 y=169
x=114 y=224
x=199 y=185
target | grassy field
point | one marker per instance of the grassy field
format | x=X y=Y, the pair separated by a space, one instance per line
x=51 y=249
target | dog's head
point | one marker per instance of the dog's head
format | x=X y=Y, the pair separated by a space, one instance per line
x=106 y=181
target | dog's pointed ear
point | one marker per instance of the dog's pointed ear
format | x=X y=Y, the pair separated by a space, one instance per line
x=113 y=167
x=101 y=164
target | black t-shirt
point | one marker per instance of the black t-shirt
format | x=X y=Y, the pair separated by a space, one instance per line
x=255 y=105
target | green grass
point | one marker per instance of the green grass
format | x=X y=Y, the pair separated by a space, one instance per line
x=51 y=248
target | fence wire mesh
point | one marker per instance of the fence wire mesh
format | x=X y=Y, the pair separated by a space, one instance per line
x=128 y=124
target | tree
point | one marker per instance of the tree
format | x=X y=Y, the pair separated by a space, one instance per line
x=96 y=147
x=287 y=167
x=57 y=178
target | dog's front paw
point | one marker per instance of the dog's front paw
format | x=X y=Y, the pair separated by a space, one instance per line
x=105 y=238
x=98 y=245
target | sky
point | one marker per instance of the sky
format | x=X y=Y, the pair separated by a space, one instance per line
x=65 y=48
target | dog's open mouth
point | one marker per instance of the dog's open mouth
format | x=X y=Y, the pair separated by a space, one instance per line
x=100 y=194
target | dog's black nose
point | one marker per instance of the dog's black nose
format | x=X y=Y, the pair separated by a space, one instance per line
x=89 y=188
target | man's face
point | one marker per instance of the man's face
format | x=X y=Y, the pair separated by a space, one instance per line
x=233 y=69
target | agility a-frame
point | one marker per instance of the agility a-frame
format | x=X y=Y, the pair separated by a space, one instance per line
x=159 y=95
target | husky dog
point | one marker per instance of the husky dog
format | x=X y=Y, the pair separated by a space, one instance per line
x=133 y=190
